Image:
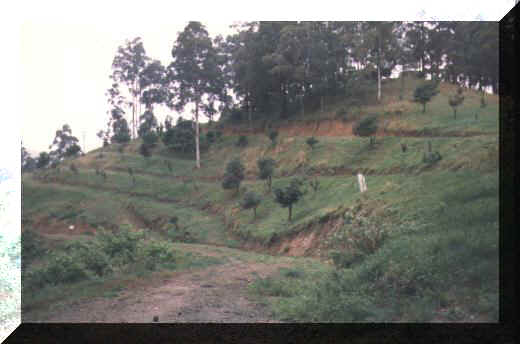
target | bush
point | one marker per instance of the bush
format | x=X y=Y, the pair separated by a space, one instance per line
x=211 y=137
x=311 y=142
x=156 y=253
x=234 y=175
x=242 y=141
x=431 y=157
x=365 y=127
x=63 y=268
x=273 y=135
x=251 y=201
x=342 y=259
x=266 y=169
x=122 y=246
x=342 y=113
x=91 y=255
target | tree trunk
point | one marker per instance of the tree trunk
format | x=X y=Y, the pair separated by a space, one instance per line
x=290 y=213
x=424 y=108
x=455 y=113
x=250 y=117
x=197 y=150
x=379 y=71
x=254 y=210
x=322 y=104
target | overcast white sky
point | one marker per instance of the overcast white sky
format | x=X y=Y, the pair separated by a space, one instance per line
x=62 y=53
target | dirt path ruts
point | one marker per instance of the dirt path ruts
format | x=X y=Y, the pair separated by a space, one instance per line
x=215 y=294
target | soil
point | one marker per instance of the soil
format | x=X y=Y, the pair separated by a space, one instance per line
x=215 y=294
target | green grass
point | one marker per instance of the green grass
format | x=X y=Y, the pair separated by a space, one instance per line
x=440 y=221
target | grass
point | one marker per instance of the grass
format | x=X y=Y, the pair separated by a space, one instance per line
x=438 y=259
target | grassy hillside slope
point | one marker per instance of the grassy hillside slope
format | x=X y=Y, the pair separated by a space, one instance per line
x=420 y=244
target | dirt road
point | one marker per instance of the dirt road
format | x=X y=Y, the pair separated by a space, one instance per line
x=214 y=294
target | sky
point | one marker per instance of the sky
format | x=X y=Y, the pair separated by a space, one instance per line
x=63 y=52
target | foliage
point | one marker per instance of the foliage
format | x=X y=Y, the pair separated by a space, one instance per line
x=311 y=142
x=43 y=160
x=273 y=135
x=266 y=170
x=289 y=195
x=234 y=175
x=242 y=141
x=196 y=74
x=431 y=158
x=454 y=101
x=181 y=137
x=64 y=144
x=424 y=93
x=251 y=201
x=366 y=126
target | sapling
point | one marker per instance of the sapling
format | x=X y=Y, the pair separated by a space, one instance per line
x=311 y=141
x=251 y=201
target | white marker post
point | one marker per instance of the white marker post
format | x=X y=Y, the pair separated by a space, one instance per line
x=362 y=183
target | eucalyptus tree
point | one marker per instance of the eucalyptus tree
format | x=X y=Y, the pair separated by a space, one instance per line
x=383 y=47
x=127 y=67
x=64 y=144
x=196 y=70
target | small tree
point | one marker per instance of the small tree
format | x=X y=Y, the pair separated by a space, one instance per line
x=73 y=168
x=43 y=160
x=266 y=167
x=311 y=141
x=242 y=141
x=251 y=201
x=366 y=127
x=289 y=195
x=174 y=220
x=234 y=175
x=315 y=184
x=273 y=135
x=425 y=92
x=149 y=141
x=454 y=102
x=483 y=103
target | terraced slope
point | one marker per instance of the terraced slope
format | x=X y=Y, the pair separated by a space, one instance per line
x=424 y=235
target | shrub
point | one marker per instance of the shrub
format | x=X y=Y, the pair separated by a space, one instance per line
x=455 y=101
x=251 y=201
x=266 y=168
x=234 y=175
x=121 y=245
x=311 y=142
x=289 y=195
x=273 y=135
x=366 y=126
x=431 y=157
x=73 y=168
x=31 y=246
x=342 y=113
x=91 y=255
x=211 y=137
x=425 y=92
x=63 y=268
x=155 y=253
x=242 y=141
x=344 y=259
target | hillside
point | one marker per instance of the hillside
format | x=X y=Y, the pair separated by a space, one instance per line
x=420 y=245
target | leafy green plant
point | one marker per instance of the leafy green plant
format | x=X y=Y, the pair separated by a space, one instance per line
x=242 y=141
x=234 y=175
x=266 y=169
x=251 y=201
x=424 y=93
x=289 y=195
x=311 y=142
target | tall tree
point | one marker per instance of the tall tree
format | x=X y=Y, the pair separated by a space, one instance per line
x=198 y=74
x=127 y=66
x=64 y=144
